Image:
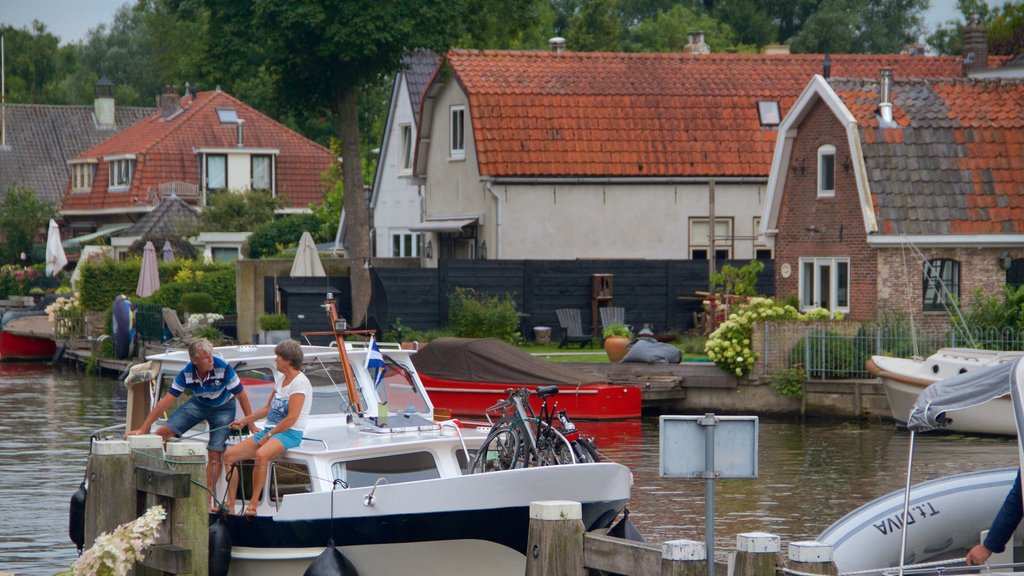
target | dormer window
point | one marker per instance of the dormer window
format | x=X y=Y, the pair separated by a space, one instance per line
x=768 y=113
x=82 y=174
x=119 y=178
x=458 y=133
x=827 y=171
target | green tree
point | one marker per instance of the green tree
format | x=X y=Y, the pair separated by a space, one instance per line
x=31 y=63
x=22 y=218
x=750 y=21
x=948 y=37
x=273 y=237
x=328 y=212
x=507 y=24
x=668 y=31
x=237 y=212
x=595 y=27
x=861 y=27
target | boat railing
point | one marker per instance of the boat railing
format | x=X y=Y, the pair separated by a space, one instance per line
x=455 y=425
x=101 y=434
x=955 y=566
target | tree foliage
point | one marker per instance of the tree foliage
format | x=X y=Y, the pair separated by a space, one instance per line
x=22 y=218
x=273 y=237
x=237 y=212
x=861 y=27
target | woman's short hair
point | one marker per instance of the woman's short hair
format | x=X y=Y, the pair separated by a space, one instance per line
x=197 y=345
x=291 y=352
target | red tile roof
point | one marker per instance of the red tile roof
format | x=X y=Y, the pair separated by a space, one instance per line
x=164 y=153
x=618 y=115
x=955 y=164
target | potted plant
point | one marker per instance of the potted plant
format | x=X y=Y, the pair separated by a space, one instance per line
x=275 y=327
x=616 y=341
x=37 y=294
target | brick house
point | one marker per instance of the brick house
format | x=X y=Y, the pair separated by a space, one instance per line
x=897 y=195
x=201 y=144
x=564 y=155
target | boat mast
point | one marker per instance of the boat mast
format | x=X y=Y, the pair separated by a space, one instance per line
x=346 y=366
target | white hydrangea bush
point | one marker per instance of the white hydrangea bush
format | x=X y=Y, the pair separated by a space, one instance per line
x=115 y=553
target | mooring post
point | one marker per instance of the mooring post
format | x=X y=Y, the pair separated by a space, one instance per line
x=812 y=558
x=148 y=453
x=683 y=558
x=111 y=498
x=189 y=527
x=555 y=542
x=757 y=554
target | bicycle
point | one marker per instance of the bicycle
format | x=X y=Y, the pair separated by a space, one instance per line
x=521 y=439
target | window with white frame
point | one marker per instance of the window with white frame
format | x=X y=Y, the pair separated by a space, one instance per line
x=825 y=283
x=405 y=244
x=827 y=171
x=216 y=171
x=224 y=254
x=761 y=250
x=700 y=244
x=262 y=172
x=120 y=178
x=458 y=132
x=81 y=177
x=941 y=284
x=405 y=153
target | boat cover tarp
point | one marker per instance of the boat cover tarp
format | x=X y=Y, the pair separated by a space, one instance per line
x=964 y=391
x=491 y=360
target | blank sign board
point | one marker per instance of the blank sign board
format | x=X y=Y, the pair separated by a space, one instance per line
x=682 y=442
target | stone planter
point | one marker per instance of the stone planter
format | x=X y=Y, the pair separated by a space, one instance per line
x=616 y=347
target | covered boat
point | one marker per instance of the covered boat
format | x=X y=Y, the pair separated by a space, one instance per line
x=469 y=375
x=26 y=335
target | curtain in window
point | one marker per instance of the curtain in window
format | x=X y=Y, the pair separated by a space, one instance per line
x=261 y=172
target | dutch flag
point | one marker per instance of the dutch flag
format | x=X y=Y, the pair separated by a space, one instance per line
x=375 y=362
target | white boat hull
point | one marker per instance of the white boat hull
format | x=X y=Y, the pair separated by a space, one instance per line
x=945 y=518
x=904 y=380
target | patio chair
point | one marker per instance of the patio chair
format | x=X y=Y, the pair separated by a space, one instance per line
x=571 y=323
x=178 y=331
x=613 y=315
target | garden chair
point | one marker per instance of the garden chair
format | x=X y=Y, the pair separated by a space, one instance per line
x=571 y=323
x=178 y=330
x=613 y=315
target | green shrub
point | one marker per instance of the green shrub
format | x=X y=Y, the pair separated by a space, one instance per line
x=197 y=303
x=103 y=280
x=831 y=354
x=475 y=315
x=271 y=238
x=211 y=333
x=274 y=322
x=788 y=382
x=729 y=345
x=616 y=330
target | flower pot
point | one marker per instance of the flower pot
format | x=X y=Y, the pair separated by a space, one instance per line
x=542 y=335
x=616 y=347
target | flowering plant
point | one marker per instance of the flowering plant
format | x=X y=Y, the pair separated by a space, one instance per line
x=17 y=280
x=203 y=319
x=729 y=346
x=64 y=307
x=115 y=553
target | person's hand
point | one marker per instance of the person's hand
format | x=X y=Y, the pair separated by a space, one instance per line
x=978 y=555
x=237 y=424
x=136 y=432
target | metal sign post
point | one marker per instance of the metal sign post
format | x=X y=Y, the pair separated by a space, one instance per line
x=688 y=449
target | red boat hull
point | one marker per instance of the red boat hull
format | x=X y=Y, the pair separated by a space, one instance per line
x=584 y=402
x=14 y=347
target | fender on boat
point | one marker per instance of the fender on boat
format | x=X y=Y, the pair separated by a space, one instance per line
x=945 y=518
x=626 y=529
x=76 y=517
x=122 y=327
x=219 y=548
x=330 y=562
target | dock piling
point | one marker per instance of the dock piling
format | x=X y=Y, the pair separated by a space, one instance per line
x=757 y=554
x=812 y=558
x=555 y=542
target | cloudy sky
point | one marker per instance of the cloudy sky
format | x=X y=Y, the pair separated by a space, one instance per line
x=71 y=19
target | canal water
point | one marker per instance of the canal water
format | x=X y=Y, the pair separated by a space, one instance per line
x=811 y=473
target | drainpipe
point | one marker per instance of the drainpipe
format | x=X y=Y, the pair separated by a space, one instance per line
x=497 y=203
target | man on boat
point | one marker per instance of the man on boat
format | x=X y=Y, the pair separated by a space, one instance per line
x=214 y=387
x=1003 y=526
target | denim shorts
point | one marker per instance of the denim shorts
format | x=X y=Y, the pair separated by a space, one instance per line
x=191 y=413
x=289 y=438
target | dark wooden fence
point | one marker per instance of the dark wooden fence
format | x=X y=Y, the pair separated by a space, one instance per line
x=660 y=292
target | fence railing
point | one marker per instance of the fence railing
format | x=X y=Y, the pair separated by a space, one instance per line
x=840 y=349
x=69 y=323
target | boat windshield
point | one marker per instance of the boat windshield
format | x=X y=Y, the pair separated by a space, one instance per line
x=399 y=390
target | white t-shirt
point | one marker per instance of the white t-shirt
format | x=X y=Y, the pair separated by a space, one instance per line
x=279 y=405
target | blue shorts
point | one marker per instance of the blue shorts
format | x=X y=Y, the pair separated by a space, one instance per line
x=289 y=438
x=191 y=413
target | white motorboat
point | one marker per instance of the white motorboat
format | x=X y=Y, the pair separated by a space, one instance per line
x=394 y=491
x=904 y=379
x=944 y=519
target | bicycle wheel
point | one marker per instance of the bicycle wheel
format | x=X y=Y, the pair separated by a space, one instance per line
x=501 y=450
x=586 y=451
x=552 y=448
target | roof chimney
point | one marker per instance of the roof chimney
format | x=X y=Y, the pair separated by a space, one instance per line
x=885 y=103
x=826 y=67
x=103 y=103
x=170 y=102
x=975 y=45
x=557 y=44
x=695 y=43
x=240 y=122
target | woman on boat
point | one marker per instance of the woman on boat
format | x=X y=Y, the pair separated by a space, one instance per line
x=286 y=412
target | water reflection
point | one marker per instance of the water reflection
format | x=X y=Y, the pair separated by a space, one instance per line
x=810 y=474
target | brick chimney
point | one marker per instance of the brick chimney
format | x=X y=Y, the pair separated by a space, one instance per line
x=170 y=102
x=975 y=45
x=103 y=103
x=695 y=43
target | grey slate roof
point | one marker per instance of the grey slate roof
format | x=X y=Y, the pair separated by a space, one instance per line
x=171 y=217
x=953 y=165
x=419 y=68
x=42 y=138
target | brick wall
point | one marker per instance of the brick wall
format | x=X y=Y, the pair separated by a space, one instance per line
x=838 y=222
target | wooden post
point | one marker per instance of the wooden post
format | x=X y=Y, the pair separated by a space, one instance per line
x=189 y=526
x=555 y=543
x=757 y=554
x=683 y=558
x=812 y=558
x=147 y=453
x=111 y=498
